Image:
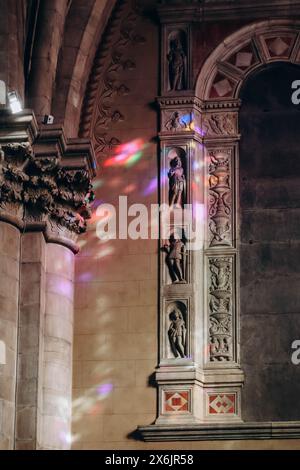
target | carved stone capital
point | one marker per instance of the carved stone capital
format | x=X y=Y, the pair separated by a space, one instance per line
x=45 y=183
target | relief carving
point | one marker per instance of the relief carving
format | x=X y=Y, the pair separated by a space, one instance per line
x=176 y=259
x=220 y=198
x=174 y=122
x=219 y=124
x=220 y=309
x=177 y=179
x=177 y=332
x=106 y=82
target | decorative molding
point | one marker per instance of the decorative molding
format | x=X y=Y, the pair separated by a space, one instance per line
x=196 y=11
x=176 y=401
x=220 y=198
x=223 y=73
x=221 y=403
x=98 y=112
x=223 y=432
x=179 y=101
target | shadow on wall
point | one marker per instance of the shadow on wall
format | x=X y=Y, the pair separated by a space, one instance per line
x=270 y=250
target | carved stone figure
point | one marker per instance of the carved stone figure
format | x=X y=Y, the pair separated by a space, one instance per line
x=177 y=333
x=174 y=123
x=177 y=65
x=219 y=124
x=177 y=182
x=176 y=255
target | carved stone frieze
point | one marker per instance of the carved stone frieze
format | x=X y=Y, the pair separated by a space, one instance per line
x=220 y=198
x=219 y=124
x=176 y=121
x=220 y=308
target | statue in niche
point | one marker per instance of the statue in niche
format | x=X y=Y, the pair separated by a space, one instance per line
x=176 y=257
x=177 y=63
x=177 y=183
x=177 y=333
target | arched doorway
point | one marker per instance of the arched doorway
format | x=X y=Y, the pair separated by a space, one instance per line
x=257 y=139
x=269 y=175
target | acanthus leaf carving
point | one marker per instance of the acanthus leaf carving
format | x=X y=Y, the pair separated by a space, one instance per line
x=41 y=187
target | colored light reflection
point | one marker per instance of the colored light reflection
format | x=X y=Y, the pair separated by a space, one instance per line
x=127 y=154
x=186 y=120
x=97 y=183
x=85 y=277
x=104 y=390
x=152 y=186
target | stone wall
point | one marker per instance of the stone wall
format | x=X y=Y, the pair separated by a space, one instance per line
x=115 y=349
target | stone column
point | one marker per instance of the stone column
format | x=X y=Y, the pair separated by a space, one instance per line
x=45 y=194
x=9 y=297
x=58 y=345
x=16 y=135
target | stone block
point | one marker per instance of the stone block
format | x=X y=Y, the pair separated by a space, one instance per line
x=57 y=378
x=57 y=284
x=33 y=247
x=9 y=240
x=58 y=328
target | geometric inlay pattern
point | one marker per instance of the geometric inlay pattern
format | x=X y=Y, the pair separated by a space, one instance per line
x=222 y=404
x=177 y=401
x=278 y=46
x=243 y=59
x=223 y=87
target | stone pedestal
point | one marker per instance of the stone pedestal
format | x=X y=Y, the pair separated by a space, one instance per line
x=44 y=200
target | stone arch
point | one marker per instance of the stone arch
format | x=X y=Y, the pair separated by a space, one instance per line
x=218 y=90
x=254 y=45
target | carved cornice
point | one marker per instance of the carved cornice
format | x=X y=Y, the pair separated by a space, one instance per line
x=193 y=101
x=179 y=101
x=45 y=184
x=213 y=10
x=213 y=432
